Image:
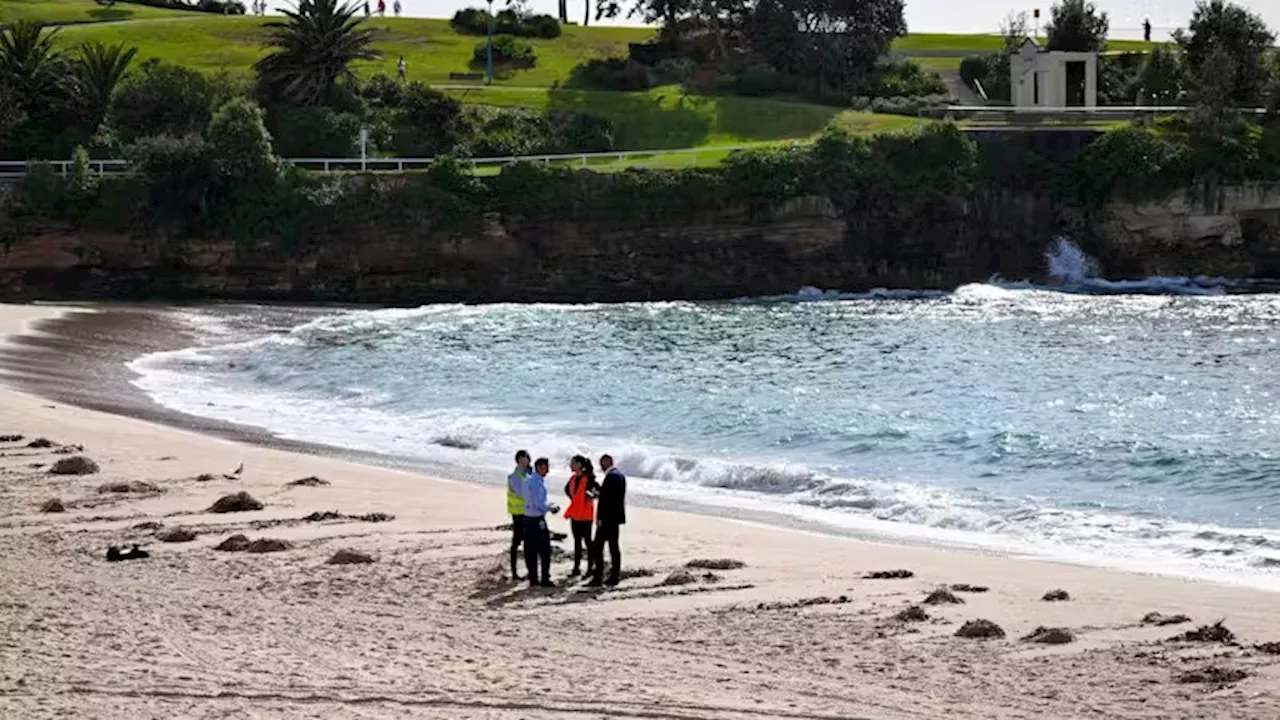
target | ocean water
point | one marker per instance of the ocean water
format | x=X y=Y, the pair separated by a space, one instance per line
x=1134 y=425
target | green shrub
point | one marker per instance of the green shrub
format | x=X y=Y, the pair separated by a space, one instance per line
x=615 y=74
x=975 y=67
x=908 y=79
x=162 y=100
x=429 y=123
x=1131 y=163
x=474 y=21
x=301 y=132
x=240 y=145
x=177 y=174
x=762 y=80
x=674 y=71
x=575 y=132
x=767 y=177
x=536 y=191
x=503 y=132
x=508 y=51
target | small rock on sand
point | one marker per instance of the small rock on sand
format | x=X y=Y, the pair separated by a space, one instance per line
x=236 y=502
x=966 y=587
x=889 y=575
x=268 y=545
x=1158 y=618
x=68 y=449
x=312 y=481
x=133 y=486
x=943 y=596
x=915 y=613
x=1058 y=595
x=176 y=535
x=152 y=525
x=349 y=557
x=679 y=577
x=53 y=506
x=710 y=577
x=1213 y=675
x=42 y=443
x=74 y=465
x=1216 y=632
x=715 y=564
x=10 y=438
x=980 y=629
x=642 y=572
x=206 y=477
x=1050 y=636
x=1268 y=648
x=235 y=543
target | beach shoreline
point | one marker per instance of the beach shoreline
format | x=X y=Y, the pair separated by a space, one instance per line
x=819 y=640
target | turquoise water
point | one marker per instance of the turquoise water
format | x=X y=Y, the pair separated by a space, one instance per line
x=1128 y=430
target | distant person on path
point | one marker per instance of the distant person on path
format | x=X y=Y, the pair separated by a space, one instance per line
x=382 y=8
x=395 y=7
x=366 y=9
x=515 y=508
x=582 y=490
x=401 y=67
x=1146 y=29
x=611 y=515
x=537 y=538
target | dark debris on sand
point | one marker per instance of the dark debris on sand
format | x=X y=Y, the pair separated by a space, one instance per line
x=68 y=449
x=74 y=465
x=715 y=564
x=679 y=577
x=324 y=515
x=641 y=572
x=176 y=535
x=1157 y=618
x=41 y=443
x=967 y=588
x=312 y=481
x=915 y=613
x=1215 y=633
x=1268 y=648
x=804 y=603
x=943 y=596
x=980 y=629
x=236 y=502
x=349 y=557
x=1213 y=675
x=206 y=477
x=889 y=575
x=1058 y=595
x=10 y=438
x=53 y=506
x=1050 y=636
x=268 y=545
x=152 y=525
x=140 y=487
x=235 y=543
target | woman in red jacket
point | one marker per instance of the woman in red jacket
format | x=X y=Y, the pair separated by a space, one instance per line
x=582 y=490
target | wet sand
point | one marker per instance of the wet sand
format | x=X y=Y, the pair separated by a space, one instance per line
x=432 y=628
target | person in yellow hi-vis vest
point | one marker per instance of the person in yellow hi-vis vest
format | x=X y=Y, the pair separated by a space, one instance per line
x=515 y=508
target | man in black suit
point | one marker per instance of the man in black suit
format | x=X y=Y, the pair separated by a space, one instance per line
x=611 y=515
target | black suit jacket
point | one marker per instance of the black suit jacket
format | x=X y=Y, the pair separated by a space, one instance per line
x=611 y=508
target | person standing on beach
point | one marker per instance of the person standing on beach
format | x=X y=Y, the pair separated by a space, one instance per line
x=582 y=490
x=611 y=515
x=515 y=508
x=537 y=538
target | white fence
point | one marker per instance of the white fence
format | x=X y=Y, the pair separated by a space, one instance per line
x=13 y=169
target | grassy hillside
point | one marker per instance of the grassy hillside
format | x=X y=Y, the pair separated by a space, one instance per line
x=79 y=11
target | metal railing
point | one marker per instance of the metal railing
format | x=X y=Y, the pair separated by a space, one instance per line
x=17 y=168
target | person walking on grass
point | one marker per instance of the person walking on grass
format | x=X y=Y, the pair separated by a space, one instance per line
x=401 y=68
x=395 y=7
x=611 y=515
x=582 y=490
x=515 y=508
x=537 y=538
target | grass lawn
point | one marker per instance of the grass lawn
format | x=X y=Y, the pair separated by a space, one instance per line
x=80 y=11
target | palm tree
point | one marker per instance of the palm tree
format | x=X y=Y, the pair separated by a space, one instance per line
x=317 y=45
x=30 y=64
x=98 y=70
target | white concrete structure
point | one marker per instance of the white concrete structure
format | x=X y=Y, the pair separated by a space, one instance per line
x=1038 y=77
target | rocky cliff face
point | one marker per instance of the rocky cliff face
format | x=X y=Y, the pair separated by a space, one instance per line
x=1234 y=231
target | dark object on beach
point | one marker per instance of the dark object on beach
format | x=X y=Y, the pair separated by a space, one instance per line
x=237 y=502
x=176 y=535
x=641 y=572
x=966 y=587
x=1213 y=675
x=1157 y=618
x=558 y=536
x=455 y=443
x=10 y=438
x=206 y=477
x=268 y=545
x=943 y=596
x=980 y=629
x=1050 y=636
x=915 y=613
x=53 y=506
x=152 y=525
x=803 y=602
x=1268 y=648
x=133 y=486
x=1216 y=632
x=68 y=449
x=375 y=517
x=322 y=515
x=679 y=577
x=889 y=575
x=235 y=543
x=349 y=557
x=114 y=554
x=1056 y=596
x=41 y=443
x=75 y=465
x=715 y=564
x=709 y=577
x=312 y=481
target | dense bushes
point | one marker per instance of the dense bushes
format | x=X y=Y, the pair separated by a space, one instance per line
x=473 y=21
x=615 y=74
x=509 y=51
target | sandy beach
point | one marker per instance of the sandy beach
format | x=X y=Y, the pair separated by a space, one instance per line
x=432 y=627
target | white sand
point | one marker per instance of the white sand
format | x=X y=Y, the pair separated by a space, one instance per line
x=432 y=630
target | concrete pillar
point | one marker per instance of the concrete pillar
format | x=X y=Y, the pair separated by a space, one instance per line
x=1091 y=81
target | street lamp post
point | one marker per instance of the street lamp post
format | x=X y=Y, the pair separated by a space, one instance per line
x=488 y=68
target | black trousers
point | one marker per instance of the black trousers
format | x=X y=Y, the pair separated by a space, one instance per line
x=537 y=547
x=581 y=543
x=517 y=536
x=606 y=532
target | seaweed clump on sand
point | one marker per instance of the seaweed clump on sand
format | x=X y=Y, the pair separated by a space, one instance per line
x=1050 y=636
x=236 y=502
x=1058 y=595
x=915 y=613
x=1215 y=633
x=349 y=557
x=74 y=465
x=980 y=630
x=943 y=596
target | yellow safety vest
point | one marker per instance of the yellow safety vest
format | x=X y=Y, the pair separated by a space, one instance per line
x=515 y=502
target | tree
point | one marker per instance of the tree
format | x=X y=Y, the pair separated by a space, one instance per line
x=317 y=45
x=161 y=100
x=431 y=123
x=1161 y=80
x=30 y=63
x=1224 y=36
x=239 y=143
x=1077 y=26
x=98 y=70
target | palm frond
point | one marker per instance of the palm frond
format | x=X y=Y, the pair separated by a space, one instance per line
x=317 y=43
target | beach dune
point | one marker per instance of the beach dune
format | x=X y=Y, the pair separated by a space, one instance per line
x=369 y=592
